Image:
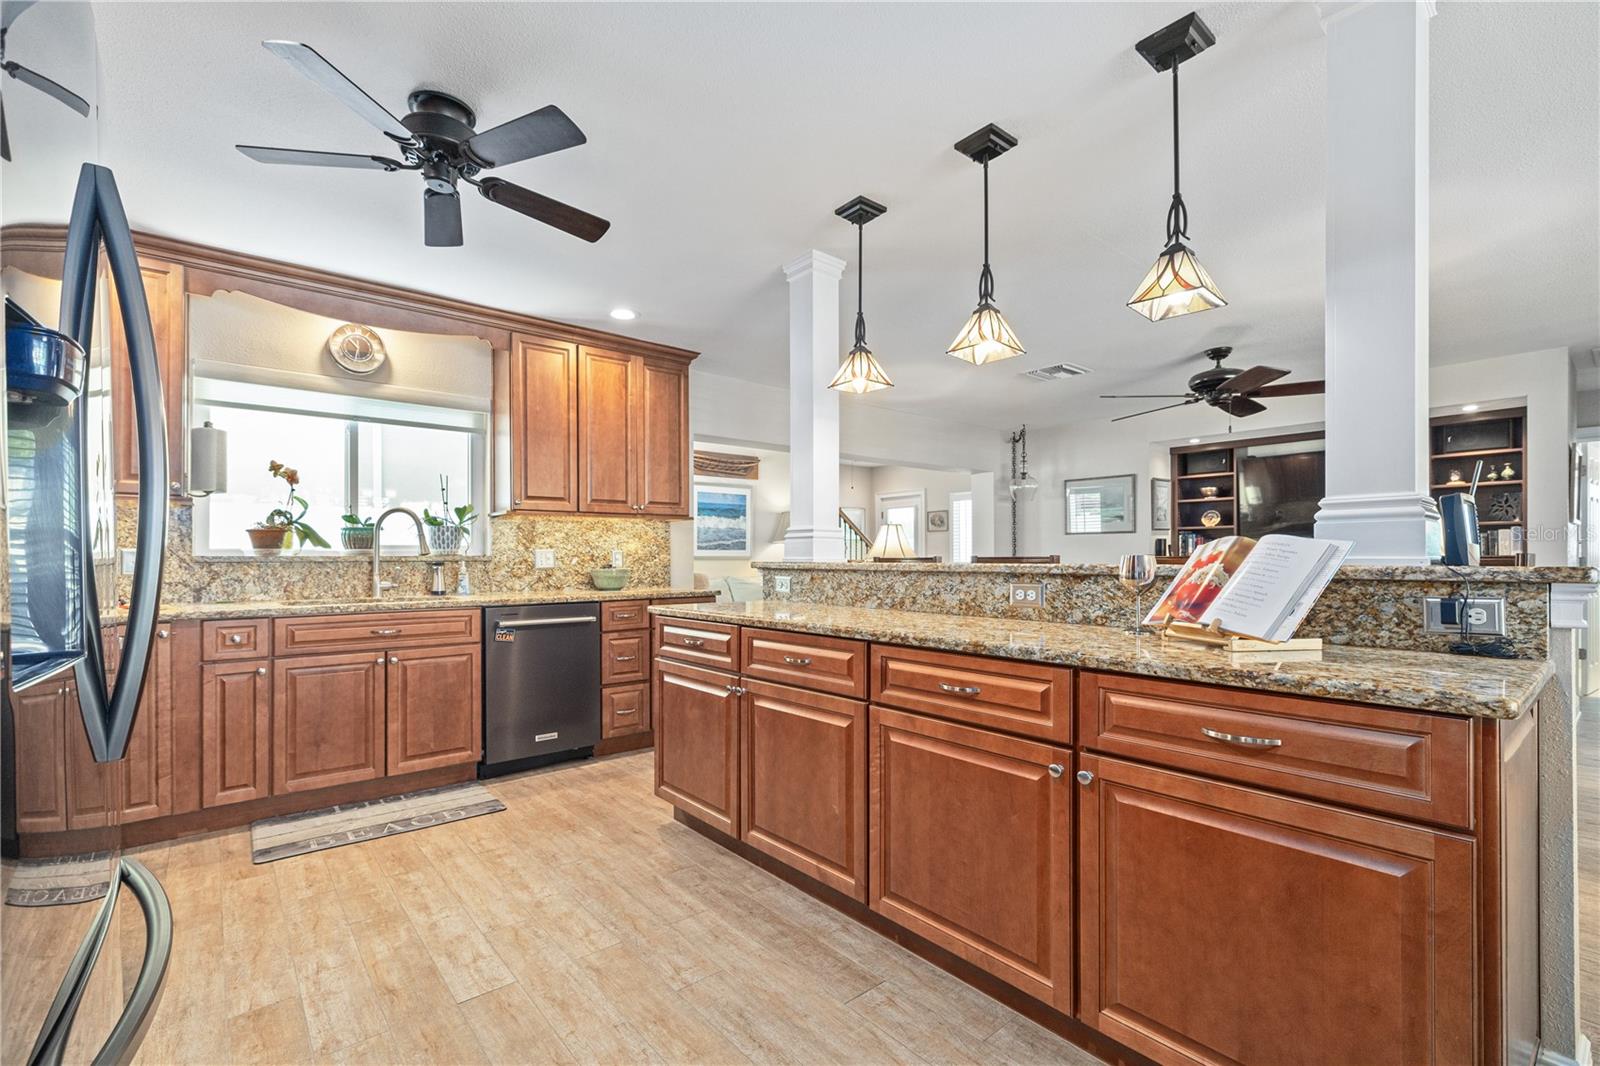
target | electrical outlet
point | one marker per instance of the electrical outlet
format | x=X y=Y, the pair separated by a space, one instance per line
x=616 y=558
x=544 y=558
x=125 y=556
x=782 y=583
x=1483 y=616
x=1027 y=594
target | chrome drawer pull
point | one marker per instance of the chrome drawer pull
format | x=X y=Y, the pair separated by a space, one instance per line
x=385 y=632
x=1242 y=741
x=960 y=690
x=797 y=660
x=692 y=642
x=625 y=658
x=626 y=713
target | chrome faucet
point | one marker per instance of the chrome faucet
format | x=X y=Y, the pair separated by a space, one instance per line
x=378 y=584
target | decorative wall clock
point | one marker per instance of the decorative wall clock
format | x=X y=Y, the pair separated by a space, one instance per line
x=357 y=348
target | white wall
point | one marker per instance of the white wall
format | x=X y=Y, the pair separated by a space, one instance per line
x=769 y=498
x=935 y=486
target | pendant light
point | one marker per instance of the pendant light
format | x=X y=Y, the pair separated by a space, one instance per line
x=860 y=371
x=1177 y=284
x=987 y=337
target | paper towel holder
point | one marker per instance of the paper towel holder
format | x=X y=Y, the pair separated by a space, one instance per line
x=208 y=460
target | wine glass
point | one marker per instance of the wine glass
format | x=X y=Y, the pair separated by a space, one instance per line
x=1137 y=572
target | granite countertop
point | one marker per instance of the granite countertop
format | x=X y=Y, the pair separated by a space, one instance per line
x=1502 y=575
x=177 y=612
x=1469 y=686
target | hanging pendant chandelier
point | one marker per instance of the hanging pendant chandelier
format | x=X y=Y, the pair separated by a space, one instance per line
x=860 y=372
x=1177 y=284
x=987 y=337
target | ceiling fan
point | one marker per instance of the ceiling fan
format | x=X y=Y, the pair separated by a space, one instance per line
x=28 y=77
x=1225 y=388
x=439 y=139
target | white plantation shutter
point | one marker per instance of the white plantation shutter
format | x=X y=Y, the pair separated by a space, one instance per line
x=1083 y=511
x=961 y=527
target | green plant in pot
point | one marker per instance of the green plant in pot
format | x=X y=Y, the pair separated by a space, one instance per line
x=450 y=531
x=356 y=535
x=286 y=525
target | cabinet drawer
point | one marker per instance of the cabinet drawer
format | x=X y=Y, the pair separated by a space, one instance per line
x=706 y=643
x=355 y=632
x=624 y=709
x=249 y=638
x=624 y=614
x=827 y=664
x=1027 y=698
x=624 y=657
x=1414 y=765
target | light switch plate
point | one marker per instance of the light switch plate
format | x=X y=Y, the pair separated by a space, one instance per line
x=1485 y=615
x=782 y=583
x=125 y=558
x=1027 y=594
x=616 y=558
x=544 y=558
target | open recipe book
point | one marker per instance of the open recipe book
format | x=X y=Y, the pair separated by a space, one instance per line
x=1261 y=589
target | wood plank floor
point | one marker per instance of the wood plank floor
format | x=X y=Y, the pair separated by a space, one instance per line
x=581 y=925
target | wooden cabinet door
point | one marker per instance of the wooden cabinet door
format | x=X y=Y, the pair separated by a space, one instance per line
x=164 y=291
x=661 y=467
x=607 y=438
x=971 y=847
x=435 y=711
x=1219 y=924
x=38 y=716
x=235 y=732
x=327 y=721
x=544 y=424
x=696 y=717
x=803 y=782
x=92 y=787
x=146 y=787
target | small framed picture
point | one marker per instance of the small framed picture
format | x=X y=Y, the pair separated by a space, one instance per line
x=1160 y=504
x=938 y=521
x=721 y=520
x=1100 y=504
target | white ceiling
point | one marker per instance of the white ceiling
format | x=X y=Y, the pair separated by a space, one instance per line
x=721 y=137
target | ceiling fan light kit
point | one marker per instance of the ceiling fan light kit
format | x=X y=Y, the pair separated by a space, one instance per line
x=987 y=337
x=1177 y=284
x=860 y=372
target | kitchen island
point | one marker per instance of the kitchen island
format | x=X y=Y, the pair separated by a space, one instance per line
x=1142 y=845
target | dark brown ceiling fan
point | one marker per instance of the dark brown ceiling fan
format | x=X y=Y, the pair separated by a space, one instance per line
x=438 y=139
x=1225 y=388
x=55 y=90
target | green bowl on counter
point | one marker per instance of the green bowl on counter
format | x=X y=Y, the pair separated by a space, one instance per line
x=609 y=579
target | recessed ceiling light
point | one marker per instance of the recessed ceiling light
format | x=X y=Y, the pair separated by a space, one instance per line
x=624 y=314
x=1469 y=407
x=1194 y=440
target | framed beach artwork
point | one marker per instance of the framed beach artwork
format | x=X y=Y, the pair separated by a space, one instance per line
x=722 y=521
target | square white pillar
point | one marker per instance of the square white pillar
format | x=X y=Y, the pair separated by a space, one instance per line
x=814 y=532
x=1376 y=316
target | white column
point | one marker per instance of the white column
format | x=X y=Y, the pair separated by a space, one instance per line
x=1376 y=314
x=813 y=408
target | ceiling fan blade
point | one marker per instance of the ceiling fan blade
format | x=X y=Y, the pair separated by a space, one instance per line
x=1153 y=410
x=309 y=62
x=1291 y=388
x=1144 y=395
x=441 y=219
x=1240 y=406
x=550 y=212
x=302 y=157
x=534 y=134
x=1252 y=379
x=10 y=9
x=46 y=86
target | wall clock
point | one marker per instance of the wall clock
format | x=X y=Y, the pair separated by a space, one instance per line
x=357 y=348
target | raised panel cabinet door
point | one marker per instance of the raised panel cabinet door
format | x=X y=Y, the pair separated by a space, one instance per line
x=92 y=787
x=544 y=424
x=146 y=789
x=327 y=720
x=235 y=732
x=971 y=847
x=164 y=291
x=607 y=443
x=662 y=464
x=435 y=713
x=41 y=795
x=1219 y=924
x=696 y=717
x=804 y=782
x=624 y=710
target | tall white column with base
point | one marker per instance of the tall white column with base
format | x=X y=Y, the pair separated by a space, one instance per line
x=814 y=532
x=1376 y=318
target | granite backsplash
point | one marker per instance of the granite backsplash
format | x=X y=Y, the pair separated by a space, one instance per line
x=581 y=544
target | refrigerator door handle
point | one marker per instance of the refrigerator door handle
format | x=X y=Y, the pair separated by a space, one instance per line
x=98 y=220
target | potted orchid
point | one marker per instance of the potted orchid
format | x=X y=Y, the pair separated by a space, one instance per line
x=284 y=525
x=450 y=530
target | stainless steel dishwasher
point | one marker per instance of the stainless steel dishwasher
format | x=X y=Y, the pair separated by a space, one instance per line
x=541 y=685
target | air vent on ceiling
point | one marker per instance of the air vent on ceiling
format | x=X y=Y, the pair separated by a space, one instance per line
x=1056 y=372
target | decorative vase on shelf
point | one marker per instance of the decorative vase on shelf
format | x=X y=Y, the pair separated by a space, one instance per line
x=269 y=540
x=1508 y=472
x=1209 y=491
x=356 y=538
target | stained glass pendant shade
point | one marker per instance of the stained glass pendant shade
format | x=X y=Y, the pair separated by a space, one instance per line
x=987 y=337
x=860 y=372
x=1177 y=284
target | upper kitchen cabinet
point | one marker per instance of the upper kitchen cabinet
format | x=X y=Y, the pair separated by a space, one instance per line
x=544 y=424
x=164 y=290
x=633 y=434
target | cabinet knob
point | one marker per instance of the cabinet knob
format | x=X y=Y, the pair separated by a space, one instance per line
x=235 y=638
x=382 y=659
x=176 y=487
x=262 y=670
x=161 y=634
x=1056 y=769
x=394 y=658
x=1085 y=777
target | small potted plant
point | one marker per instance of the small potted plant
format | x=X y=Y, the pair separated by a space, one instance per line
x=356 y=535
x=450 y=530
x=284 y=525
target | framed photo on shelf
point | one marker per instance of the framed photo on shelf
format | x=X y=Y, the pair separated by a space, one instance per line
x=1160 y=504
x=722 y=521
x=938 y=521
x=1100 y=504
